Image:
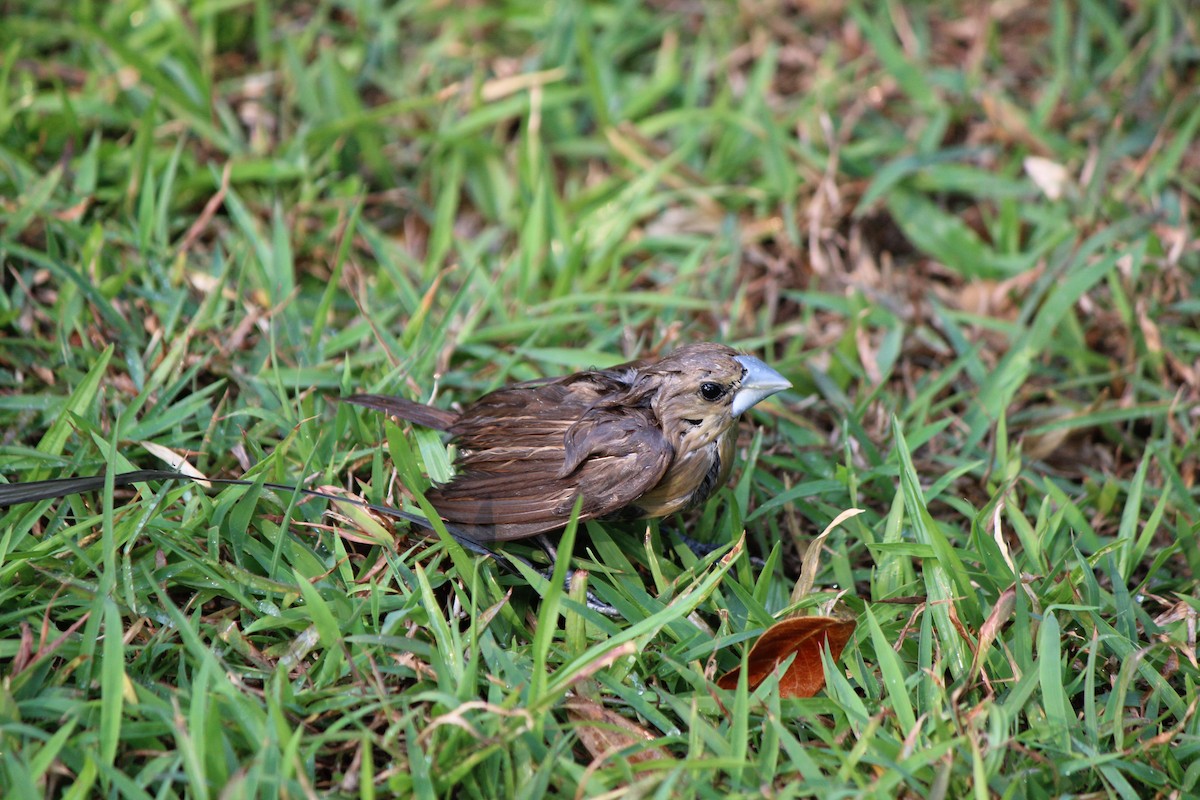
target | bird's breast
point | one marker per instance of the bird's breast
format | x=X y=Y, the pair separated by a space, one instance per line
x=692 y=477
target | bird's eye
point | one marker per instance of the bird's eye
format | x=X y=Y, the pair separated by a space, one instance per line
x=711 y=391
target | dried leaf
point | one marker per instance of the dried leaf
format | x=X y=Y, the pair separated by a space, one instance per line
x=604 y=732
x=500 y=88
x=176 y=461
x=812 y=556
x=804 y=636
x=1050 y=176
x=992 y=625
x=989 y=298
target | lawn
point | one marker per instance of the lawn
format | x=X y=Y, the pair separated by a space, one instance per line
x=965 y=232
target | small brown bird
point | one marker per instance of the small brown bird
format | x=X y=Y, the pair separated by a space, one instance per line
x=644 y=439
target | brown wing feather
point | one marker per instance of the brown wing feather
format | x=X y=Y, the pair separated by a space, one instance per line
x=527 y=451
x=528 y=486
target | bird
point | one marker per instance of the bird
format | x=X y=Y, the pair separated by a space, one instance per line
x=641 y=440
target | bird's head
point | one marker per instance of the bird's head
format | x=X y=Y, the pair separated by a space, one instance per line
x=703 y=388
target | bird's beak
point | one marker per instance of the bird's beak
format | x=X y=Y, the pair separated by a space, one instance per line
x=759 y=383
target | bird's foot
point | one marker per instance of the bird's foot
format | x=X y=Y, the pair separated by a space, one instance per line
x=702 y=549
x=593 y=602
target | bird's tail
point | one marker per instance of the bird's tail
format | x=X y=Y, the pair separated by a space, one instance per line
x=419 y=413
x=12 y=494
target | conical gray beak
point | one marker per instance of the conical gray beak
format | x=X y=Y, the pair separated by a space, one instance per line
x=759 y=383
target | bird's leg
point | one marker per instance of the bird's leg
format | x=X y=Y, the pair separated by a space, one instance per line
x=702 y=549
x=503 y=560
x=548 y=548
x=593 y=602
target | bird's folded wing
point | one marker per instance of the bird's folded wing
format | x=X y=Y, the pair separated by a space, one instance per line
x=611 y=458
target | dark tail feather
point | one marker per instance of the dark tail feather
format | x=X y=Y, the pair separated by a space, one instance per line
x=12 y=494
x=419 y=413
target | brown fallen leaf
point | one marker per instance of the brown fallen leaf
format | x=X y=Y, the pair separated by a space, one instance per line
x=604 y=732
x=804 y=636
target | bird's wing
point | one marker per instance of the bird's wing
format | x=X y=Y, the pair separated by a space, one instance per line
x=522 y=480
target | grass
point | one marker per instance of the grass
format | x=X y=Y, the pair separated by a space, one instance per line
x=215 y=216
